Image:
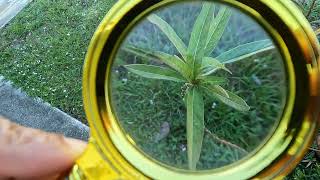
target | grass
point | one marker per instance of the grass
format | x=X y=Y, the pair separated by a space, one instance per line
x=42 y=51
x=144 y=105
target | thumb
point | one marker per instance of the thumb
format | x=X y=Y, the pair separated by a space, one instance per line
x=27 y=153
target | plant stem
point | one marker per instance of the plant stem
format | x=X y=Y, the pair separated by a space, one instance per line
x=313 y=149
x=225 y=142
x=315 y=22
x=311 y=8
x=317 y=32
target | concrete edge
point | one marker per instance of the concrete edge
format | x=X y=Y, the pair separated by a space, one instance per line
x=69 y=124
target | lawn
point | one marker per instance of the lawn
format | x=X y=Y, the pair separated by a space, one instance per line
x=42 y=51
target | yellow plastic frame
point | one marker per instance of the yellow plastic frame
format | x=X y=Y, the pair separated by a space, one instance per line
x=112 y=154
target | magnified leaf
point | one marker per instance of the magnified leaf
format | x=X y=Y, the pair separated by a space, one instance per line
x=155 y=72
x=213 y=80
x=211 y=65
x=170 y=33
x=172 y=61
x=246 y=50
x=195 y=125
x=219 y=90
x=217 y=28
x=228 y=98
x=200 y=32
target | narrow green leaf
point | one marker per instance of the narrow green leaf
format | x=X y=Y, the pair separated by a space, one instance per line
x=172 y=61
x=219 y=90
x=195 y=125
x=155 y=72
x=211 y=65
x=246 y=50
x=199 y=32
x=213 y=80
x=216 y=30
x=176 y=63
x=227 y=98
x=170 y=33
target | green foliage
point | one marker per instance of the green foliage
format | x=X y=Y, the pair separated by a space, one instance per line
x=198 y=39
x=196 y=68
x=216 y=30
x=246 y=50
x=155 y=72
x=195 y=125
x=170 y=33
x=211 y=65
x=43 y=48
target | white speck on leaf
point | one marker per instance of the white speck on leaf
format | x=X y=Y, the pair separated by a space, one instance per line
x=256 y=79
x=151 y=102
x=124 y=80
x=183 y=147
x=214 y=105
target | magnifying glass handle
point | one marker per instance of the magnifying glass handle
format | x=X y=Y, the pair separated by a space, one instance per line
x=94 y=164
x=91 y=165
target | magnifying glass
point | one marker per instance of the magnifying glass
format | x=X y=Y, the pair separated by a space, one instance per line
x=221 y=89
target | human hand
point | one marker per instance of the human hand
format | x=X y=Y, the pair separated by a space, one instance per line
x=27 y=153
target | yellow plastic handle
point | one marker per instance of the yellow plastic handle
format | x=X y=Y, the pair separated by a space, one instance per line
x=91 y=165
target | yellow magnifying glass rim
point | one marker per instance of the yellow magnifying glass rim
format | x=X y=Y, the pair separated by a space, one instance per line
x=112 y=154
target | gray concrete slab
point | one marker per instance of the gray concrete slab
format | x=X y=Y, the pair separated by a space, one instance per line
x=18 y=107
x=9 y=9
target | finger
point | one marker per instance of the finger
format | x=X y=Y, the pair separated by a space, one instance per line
x=27 y=153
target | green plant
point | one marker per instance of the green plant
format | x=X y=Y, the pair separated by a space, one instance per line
x=195 y=68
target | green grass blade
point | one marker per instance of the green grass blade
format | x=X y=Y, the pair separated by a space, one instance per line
x=171 y=60
x=155 y=72
x=211 y=65
x=195 y=125
x=170 y=33
x=245 y=51
x=227 y=98
x=199 y=32
x=216 y=30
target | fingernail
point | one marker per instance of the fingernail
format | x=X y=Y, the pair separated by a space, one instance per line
x=76 y=147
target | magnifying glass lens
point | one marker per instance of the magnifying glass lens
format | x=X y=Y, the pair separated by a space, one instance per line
x=198 y=85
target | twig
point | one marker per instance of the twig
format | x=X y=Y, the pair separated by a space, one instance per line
x=315 y=22
x=311 y=8
x=317 y=32
x=306 y=161
x=312 y=149
x=225 y=142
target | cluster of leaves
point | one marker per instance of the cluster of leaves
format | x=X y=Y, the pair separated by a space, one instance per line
x=195 y=67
